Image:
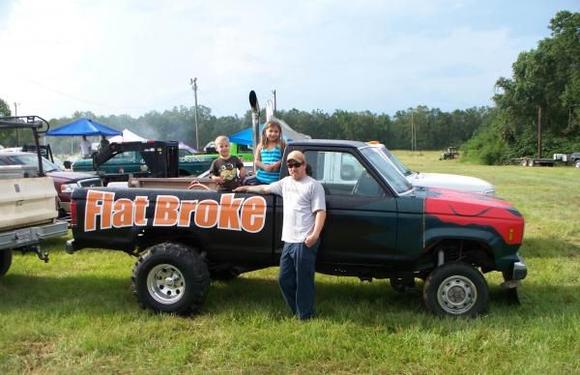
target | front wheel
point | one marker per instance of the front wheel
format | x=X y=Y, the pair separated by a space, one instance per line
x=456 y=289
x=5 y=261
x=577 y=164
x=171 y=278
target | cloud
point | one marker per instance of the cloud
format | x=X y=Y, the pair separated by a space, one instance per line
x=133 y=56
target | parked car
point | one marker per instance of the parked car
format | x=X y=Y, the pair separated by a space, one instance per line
x=119 y=160
x=64 y=181
x=421 y=180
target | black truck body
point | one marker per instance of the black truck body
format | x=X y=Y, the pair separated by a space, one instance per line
x=377 y=226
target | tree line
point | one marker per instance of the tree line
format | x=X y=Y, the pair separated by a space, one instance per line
x=544 y=91
x=435 y=129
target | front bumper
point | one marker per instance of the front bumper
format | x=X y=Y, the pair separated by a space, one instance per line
x=520 y=270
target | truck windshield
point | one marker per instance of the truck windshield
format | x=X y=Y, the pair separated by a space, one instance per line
x=29 y=160
x=387 y=169
x=398 y=164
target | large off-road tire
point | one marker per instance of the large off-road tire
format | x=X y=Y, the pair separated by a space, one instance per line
x=171 y=278
x=456 y=289
x=5 y=261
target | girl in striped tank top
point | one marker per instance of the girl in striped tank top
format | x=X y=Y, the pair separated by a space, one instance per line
x=268 y=156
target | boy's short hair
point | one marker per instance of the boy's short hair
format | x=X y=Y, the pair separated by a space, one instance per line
x=221 y=138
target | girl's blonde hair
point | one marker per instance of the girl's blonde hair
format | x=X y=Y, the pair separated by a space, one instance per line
x=264 y=139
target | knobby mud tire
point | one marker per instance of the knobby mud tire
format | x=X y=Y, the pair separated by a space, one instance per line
x=163 y=260
x=457 y=290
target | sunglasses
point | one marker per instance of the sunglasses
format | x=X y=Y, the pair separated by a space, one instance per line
x=294 y=164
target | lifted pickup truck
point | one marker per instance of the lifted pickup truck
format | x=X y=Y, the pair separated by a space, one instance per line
x=378 y=226
x=28 y=201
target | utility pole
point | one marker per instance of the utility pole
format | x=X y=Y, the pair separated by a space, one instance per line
x=539 y=132
x=17 y=131
x=193 y=83
x=274 y=96
x=413 y=132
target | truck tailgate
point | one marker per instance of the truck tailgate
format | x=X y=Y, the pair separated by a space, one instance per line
x=26 y=202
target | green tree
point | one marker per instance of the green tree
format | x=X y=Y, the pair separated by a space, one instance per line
x=547 y=77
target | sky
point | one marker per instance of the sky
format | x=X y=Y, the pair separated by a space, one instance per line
x=135 y=56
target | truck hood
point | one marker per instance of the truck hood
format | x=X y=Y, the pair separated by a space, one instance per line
x=465 y=209
x=70 y=176
x=451 y=181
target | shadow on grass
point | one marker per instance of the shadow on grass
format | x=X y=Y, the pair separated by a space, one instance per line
x=65 y=294
x=364 y=303
x=548 y=247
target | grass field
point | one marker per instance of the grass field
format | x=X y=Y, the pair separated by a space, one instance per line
x=76 y=314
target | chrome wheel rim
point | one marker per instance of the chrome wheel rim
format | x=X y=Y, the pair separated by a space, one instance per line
x=165 y=284
x=457 y=295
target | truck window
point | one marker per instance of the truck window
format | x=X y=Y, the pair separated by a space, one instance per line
x=342 y=174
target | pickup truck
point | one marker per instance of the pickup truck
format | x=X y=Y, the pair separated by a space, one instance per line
x=118 y=160
x=377 y=227
x=28 y=201
x=64 y=181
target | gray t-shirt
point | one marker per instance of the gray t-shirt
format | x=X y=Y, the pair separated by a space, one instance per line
x=302 y=199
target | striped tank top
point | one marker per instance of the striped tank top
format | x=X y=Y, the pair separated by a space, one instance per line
x=269 y=156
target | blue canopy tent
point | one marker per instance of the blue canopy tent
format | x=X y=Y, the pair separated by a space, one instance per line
x=83 y=126
x=244 y=137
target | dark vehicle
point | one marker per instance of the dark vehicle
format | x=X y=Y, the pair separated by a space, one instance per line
x=64 y=181
x=574 y=159
x=119 y=161
x=450 y=153
x=378 y=226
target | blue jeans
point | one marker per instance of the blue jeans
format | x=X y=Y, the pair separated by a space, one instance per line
x=297 y=267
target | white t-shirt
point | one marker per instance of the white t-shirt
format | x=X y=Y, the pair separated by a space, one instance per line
x=302 y=198
x=85 y=148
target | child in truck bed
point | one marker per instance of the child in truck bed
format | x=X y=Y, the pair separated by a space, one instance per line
x=268 y=155
x=227 y=170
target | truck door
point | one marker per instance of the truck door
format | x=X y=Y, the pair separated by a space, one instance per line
x=361 y=224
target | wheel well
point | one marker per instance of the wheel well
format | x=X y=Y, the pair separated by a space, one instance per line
x=468 y=251
x=149 y=239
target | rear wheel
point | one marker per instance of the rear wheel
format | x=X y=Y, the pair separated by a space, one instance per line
x=171 y=278
x=5 y=261
x=456 y=289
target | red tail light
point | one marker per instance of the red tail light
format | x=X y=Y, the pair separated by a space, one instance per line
x=73 y=212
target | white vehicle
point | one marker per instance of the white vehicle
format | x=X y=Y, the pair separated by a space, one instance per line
x=349 y=173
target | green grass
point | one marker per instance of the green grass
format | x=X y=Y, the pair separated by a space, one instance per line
x=76 y=313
